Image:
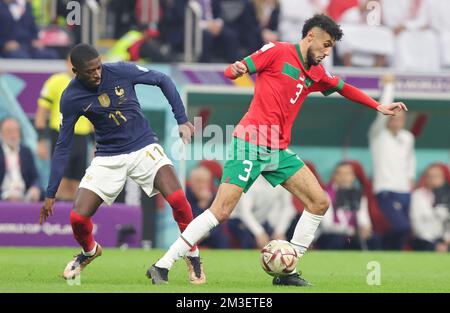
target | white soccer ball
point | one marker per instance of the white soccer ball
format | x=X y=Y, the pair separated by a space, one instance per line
x=278 y=258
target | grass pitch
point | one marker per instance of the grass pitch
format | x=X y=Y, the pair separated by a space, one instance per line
x=39 y=270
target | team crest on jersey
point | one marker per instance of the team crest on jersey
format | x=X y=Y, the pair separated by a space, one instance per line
x=104 y=100
x=121 y=94
x=119 y=91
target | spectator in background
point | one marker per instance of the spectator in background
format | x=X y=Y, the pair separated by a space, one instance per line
x=430 y=212
x=293 y=14
x=364 y=44
x=200 y=194
x=263 y=213
x=268 y=12
x=19 y=180
x=410 y=22
x=19 y=33
x=347 y=224
x=394 y=167
x=239 y=15
x=440 y=23
x=218 y=38
x=48 y=107
x=123 y=14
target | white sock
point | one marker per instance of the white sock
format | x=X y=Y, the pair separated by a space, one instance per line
x=194 y=254
x=196 y=230
x=92 y=252
x=304 y=231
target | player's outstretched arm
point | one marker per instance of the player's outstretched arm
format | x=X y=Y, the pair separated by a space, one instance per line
x=235 y=70
x=60 y=156
x=356 y=95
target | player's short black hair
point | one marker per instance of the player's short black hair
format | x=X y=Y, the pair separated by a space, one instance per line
x=82 y=53
x=324 y=22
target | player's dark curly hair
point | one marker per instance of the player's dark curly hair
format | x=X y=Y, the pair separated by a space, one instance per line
x=82 y=53
x=324 y=22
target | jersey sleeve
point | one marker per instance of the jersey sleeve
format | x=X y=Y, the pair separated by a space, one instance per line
x=329 y=84
x=69 y=116
x=47 y=95
x=263 y=58
x=142 y=75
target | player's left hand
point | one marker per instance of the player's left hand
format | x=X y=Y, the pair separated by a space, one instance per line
x=186 y=131
x=390 y=109
x=46 y=210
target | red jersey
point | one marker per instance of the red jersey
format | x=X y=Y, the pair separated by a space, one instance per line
x=282 y=83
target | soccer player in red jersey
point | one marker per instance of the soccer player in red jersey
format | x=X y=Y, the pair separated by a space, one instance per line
x=286 y=74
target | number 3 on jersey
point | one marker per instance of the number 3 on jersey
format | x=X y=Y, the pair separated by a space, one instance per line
x=297 y=94
x=247 y=170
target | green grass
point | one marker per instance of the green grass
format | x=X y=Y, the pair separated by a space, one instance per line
x=39 y=270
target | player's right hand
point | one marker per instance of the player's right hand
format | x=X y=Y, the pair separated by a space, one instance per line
x=238 y=69
x=46 y=210
x=186 y=132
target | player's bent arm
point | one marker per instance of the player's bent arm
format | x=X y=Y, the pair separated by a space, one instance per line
x=169 y=90
x=142 y=75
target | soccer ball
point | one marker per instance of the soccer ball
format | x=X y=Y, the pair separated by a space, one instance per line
x=278 y=258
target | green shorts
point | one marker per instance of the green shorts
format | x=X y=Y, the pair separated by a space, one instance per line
x=246 y=161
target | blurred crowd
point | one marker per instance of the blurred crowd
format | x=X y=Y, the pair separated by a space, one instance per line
x=406 y=34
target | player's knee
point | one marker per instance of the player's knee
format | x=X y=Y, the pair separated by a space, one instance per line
x=221 y=212
x=320 y=205
x=81 y=209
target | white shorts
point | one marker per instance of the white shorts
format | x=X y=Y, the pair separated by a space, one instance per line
x=106 y=176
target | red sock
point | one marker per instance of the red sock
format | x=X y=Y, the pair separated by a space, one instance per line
x=181 y=209
x=82 y=231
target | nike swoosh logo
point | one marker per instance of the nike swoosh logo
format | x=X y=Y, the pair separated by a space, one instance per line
x=87 y=108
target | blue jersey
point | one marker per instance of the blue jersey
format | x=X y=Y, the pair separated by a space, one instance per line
x=115 y=112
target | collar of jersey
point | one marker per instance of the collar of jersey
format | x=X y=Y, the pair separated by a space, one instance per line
x=297 y=47
x=313 y=72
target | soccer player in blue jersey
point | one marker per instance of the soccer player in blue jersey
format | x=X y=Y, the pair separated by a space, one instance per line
x=126 y=147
